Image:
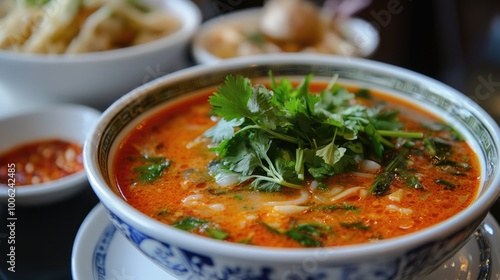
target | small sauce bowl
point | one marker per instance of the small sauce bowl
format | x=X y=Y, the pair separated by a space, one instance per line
x=61 y=122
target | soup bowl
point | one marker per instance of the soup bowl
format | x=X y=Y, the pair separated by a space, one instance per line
x=68 y=123
x=189 y=256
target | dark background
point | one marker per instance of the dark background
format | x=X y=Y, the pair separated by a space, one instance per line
x=456 y=42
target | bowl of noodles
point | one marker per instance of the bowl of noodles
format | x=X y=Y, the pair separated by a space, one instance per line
x=90 y=52
x=295 y=167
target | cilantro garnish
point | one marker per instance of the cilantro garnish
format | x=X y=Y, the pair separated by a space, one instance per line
x=189 y=223
x=153 y=169
x=278 y=136
x=306 y=234
x=193 y=224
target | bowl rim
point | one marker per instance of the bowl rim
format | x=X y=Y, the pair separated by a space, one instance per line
x=202 y=55
x=187 y=12
x=342 y=254
x=39 y=193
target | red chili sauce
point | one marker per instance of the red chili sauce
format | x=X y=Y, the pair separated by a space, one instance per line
x=41 y=161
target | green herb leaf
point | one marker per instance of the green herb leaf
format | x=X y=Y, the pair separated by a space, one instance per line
x=355 y=225
x=152 y=171
x=216 y=233
x=448 y=185
x=192 y=224
x=223 y=130
x=384 y=179
x=331 y=154
x=335 y=207
x=189 y=223
x=306 y=234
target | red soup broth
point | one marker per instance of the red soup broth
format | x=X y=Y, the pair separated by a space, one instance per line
x=40 y=161
x=184 y=190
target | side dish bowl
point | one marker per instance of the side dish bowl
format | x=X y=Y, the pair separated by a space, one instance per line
x=360 y=35
x=188 y=256
x=64 y=122
x=99 y=78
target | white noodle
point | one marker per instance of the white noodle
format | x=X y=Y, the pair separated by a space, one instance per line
x=314 y=185
x=320 y=198
x=15 y=25
x=290 y=209
x=192 y=198
x=304 y=196
x=56 y=17
x=363 y=175
x=88 y=30
x=55 y=26
x=346 y=193
x=336 y=190
x=217 y=207
x=401 y=210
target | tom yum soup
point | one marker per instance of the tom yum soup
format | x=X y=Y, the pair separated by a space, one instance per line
x=289 y=165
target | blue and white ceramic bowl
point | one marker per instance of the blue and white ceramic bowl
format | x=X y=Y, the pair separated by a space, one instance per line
x=188 y=256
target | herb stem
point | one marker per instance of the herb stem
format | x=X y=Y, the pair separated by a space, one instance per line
x=398 y=133
x=397 y=160
x=273 y=133
x=299 y=163
x=278 y=181
x=386 y=142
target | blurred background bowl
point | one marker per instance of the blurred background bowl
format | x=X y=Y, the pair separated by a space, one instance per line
x=98 y=78
x=65 y=122
x=188 y=256
x=224 y=33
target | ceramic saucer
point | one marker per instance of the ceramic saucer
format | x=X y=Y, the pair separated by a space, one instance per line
x=100 y=252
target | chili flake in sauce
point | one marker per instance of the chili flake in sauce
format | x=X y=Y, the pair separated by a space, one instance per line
x=42 y=161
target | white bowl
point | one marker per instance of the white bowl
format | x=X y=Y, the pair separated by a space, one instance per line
x=63 y=121
x=99 y=78
x=188 y=256
x=358 y=31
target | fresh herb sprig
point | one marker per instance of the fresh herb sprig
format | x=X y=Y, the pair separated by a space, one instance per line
x=278 y=136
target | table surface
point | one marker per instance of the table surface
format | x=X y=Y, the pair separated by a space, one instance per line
x=45 y=236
